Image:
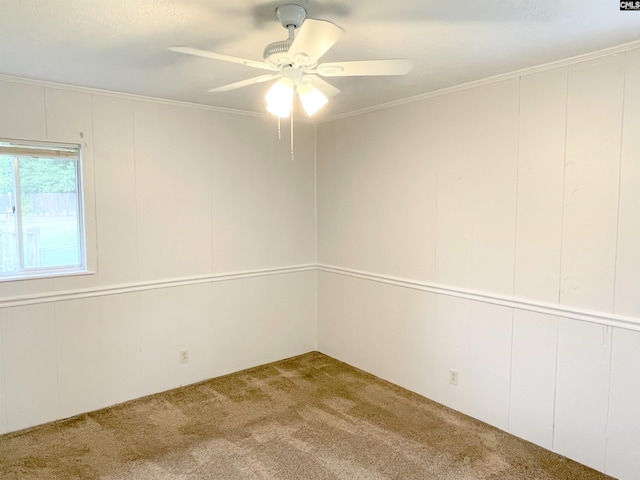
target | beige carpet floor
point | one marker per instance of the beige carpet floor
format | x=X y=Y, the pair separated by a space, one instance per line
x=309 y=417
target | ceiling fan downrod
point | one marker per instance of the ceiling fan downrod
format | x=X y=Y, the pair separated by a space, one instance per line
x=291 y=17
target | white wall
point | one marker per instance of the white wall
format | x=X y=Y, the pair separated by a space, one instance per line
x=449 y=222
x=176 y=196
x=450 y=225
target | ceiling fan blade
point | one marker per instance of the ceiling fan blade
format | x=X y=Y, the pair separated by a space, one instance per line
x=244 y=83
x=314 y=39
x=325 y=87
x=365 y=68
x=226 y=58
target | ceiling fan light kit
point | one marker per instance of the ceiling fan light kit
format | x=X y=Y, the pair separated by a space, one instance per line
x=293 y=63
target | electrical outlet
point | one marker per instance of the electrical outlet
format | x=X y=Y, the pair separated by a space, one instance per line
x=184 y=356
x=453 y=376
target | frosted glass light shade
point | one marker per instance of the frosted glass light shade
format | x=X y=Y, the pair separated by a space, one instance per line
x=311 y=98
x=280 y=98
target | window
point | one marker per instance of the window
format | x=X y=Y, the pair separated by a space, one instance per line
x=41 y=215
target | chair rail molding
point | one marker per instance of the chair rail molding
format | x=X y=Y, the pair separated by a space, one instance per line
x=565 y=311
x=54 y=296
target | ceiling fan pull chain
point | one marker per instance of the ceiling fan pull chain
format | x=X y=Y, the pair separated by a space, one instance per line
x=279 y=132
x=292 y=159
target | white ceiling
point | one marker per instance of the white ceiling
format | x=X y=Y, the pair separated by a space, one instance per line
x=121 y=45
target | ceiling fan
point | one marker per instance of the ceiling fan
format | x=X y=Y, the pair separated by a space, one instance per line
x=294 y=63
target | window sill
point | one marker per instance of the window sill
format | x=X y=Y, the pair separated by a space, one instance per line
x=43 y=276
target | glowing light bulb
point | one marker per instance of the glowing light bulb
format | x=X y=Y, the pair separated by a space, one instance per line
x=311 y=98
x=280 y=98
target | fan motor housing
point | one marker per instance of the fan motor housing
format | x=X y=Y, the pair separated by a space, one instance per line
x=276 y=53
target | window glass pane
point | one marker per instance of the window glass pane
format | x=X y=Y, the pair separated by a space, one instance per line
x=8 y=227
x=49 y=209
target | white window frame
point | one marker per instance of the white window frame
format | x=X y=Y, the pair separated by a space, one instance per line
x=22 y=148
